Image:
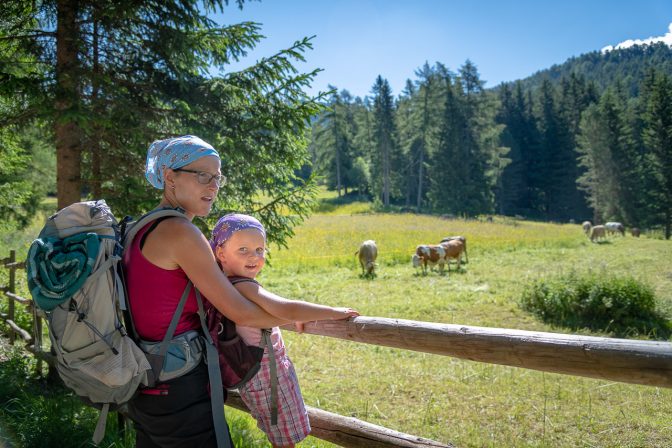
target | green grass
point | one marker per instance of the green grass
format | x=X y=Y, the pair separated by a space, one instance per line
x=447 y=399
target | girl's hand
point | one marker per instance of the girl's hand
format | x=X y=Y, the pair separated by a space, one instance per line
x=345 y=313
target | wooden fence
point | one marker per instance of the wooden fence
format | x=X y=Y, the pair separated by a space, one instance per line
x=623 y=360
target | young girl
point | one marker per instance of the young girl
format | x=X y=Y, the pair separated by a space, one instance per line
x=239 y=244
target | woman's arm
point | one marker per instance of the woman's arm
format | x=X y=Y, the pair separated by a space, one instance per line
x=291 y=310
x=176 y=242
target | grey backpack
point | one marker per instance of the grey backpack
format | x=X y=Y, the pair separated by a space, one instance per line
x=73 y=278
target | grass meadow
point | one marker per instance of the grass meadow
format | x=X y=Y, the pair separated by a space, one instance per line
x=465 y=403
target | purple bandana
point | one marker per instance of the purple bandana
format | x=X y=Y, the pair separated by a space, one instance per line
x=230 y=224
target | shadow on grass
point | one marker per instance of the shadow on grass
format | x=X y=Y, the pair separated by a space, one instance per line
x=653 y=326
x=371 y=276
x=327 y=205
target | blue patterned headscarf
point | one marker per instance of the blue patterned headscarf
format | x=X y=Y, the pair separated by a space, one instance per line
x=232 y=223
x=174 y=153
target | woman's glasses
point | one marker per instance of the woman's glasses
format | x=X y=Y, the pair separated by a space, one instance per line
x=205 y=178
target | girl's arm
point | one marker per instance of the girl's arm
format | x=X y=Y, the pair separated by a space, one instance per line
x=177 y=243
x=291 y=310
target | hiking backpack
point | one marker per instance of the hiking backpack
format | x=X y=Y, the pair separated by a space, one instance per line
x=75 y=277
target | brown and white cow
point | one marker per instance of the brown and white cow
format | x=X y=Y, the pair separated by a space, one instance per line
x=454 y=250
x=368 y=252
x=459 y=238
x=429 y=255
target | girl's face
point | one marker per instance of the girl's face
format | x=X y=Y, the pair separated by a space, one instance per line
x=186 y=190
x=243 y=254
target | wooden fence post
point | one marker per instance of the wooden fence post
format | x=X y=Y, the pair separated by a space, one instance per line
x=37 y=337
x=12 y=289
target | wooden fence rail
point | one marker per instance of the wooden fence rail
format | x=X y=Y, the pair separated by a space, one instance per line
x=624 y=360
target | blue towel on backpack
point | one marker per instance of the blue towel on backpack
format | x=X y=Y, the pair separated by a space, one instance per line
x=58 y=268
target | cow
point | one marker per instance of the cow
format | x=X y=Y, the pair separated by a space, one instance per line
x=635 y=232
x=587 y=225
x=429 y=255
x=613 y=227
x=454 y=250
x=598 y=232
x=458 y=238
x=368 y=252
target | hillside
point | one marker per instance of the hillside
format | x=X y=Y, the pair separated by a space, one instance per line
x=628 y=66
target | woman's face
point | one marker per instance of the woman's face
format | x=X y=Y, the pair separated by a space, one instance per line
x=194 y=197
x=243 y=254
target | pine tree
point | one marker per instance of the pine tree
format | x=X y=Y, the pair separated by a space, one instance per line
x=658 y=139
x=448 y=193
x=555 y=155
x=512 y=196
x=575 y=96
x=110 y=77
x=363 y=143
x=408 y=141
x=428 y=110
x=485 y=154
x=604 y=139
x=332 y=139
x=384 y=135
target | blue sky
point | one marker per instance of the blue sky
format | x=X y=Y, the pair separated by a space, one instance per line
x=356 y=40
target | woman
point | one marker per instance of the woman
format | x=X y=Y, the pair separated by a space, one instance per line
x=158 y=265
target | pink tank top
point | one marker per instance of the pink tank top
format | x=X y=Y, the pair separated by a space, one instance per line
x=153 y=294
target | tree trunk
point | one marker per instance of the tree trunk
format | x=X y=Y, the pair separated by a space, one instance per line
x=338 y=169
x=423 y=146
x=386 y=175
x=94 y=142
x=418 y=204
x=66 y=128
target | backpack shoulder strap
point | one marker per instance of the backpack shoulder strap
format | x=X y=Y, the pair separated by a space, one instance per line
x=131 y=229
x=214 y=374
x=265 y=342
x=235 y=279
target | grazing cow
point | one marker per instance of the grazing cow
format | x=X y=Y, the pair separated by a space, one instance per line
x=586 y=227
x=598 y=232
x=635 y=232
x=429 y=255
x=458 y=238
x=454 y=250
x=368 y=252
x=613 y=227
